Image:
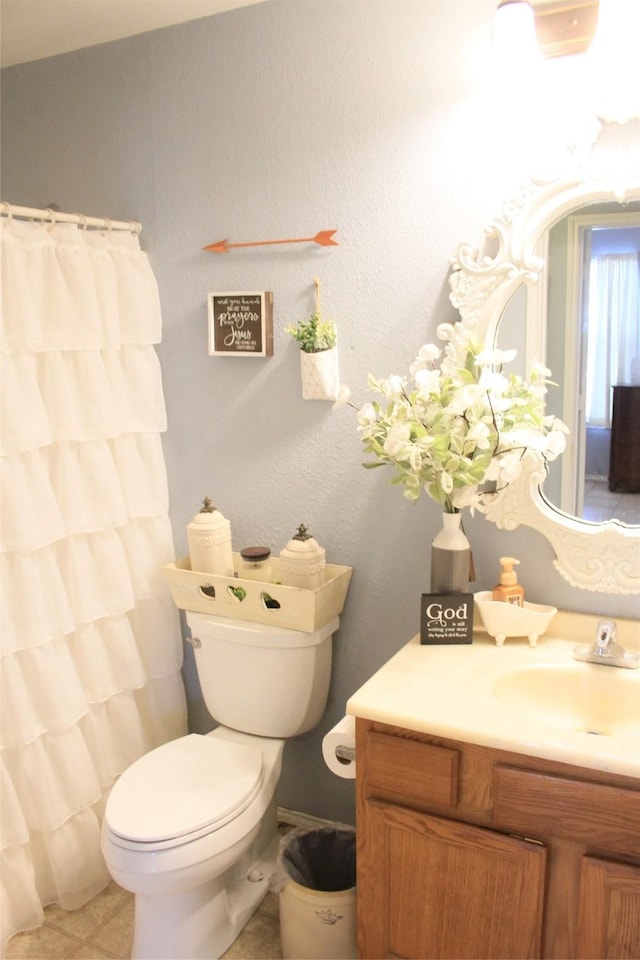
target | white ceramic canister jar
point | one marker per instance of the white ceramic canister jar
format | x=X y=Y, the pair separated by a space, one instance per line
x=210 y=547
x=302 y=561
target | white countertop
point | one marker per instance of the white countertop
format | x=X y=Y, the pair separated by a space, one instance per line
x=448 y=691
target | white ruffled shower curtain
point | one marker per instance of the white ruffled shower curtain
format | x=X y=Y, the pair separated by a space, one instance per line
x=91 y=647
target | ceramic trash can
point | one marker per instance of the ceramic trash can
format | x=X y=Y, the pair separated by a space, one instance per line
x=316 y=881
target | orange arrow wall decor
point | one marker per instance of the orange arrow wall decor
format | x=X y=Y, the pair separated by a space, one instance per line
x=323 y=239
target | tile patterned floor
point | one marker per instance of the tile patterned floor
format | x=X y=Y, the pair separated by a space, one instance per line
x=103 y=930
x=601 y=504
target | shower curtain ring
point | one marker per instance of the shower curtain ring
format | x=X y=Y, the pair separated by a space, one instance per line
x=7 y=211
x=83 y=221
x=51 y=213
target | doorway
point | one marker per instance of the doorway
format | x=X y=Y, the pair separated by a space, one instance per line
x=602 y=348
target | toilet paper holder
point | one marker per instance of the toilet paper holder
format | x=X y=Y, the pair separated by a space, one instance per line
x=345 y=754
x=339 y=748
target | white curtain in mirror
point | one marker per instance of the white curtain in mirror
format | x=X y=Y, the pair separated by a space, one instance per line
x=613 y=339
x=91 y=646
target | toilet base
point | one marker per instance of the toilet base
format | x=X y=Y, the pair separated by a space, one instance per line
x=202 y=923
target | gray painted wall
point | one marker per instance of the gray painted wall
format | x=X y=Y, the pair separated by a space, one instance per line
x=382 y=120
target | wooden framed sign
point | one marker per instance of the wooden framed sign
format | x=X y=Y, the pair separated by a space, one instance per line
x=446 y=618
x=241 y=324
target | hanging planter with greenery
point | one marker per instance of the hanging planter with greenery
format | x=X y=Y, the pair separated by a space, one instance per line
x=318 y=340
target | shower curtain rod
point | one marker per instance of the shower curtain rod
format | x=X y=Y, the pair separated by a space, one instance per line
x=54 y=216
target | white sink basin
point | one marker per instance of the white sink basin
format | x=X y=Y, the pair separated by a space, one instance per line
x=584 y=697
x=537 y=701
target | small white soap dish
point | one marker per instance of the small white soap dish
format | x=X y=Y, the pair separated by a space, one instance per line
x=509 y=620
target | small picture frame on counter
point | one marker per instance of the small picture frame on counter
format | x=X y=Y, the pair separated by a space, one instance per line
x=241 y=324
x=446 y=618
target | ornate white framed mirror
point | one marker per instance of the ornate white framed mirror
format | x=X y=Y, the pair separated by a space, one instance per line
x=521 y=294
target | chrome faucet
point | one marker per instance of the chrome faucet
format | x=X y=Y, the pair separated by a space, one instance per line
x=606 y=638
x=606 y=650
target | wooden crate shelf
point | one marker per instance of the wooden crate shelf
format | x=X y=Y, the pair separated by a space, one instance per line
x=270 y=603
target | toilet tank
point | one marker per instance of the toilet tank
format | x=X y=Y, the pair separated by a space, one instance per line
x=262 y=679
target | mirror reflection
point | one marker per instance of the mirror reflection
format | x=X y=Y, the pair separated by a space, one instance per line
x=583 y=319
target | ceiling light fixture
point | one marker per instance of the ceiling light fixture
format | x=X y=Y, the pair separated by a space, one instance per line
x=559 y=27
x=605 y=31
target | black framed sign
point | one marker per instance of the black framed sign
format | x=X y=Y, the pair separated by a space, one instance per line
x=446 y=618
x=241 y=324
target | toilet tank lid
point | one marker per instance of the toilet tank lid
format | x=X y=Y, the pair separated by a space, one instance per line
x=256 y=634
x=182 y=787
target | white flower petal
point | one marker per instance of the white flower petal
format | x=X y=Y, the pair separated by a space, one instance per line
x=367 y=415
x=429 y=353
x=396 y=439
x=344 y=395
x=495 y=357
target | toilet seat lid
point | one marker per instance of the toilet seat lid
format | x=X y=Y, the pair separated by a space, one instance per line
x=193 y=784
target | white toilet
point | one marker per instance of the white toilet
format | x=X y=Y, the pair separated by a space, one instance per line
x=190 y=828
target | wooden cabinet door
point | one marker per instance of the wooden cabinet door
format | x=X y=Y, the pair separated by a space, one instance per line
x=624 y=459
x=609 y=913
x=435 y=888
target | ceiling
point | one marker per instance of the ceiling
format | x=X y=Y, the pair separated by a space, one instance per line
x=33 y=29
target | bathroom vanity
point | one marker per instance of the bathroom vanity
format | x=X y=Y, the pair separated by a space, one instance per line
x=498 y=803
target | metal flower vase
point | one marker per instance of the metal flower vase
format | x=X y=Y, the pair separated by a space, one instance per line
x=450 y=557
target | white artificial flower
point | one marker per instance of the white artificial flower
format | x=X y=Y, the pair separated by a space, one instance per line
x=510 y=467
x=429 y=353
x=556 y=444
x=492 y=472
x=465 y=425
x=465 y=398
x=538 y=370
x=397 y=439
x=344 y=395
x=538 y=388
x=445 y=331
x=467 y=497
x=367 y=415
x=479 y=435
x=503 y=403
x=551 y=422
x=530 y=439
x=494 y=383
x=427 y=381
x=495 y=357
x=396 y=385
